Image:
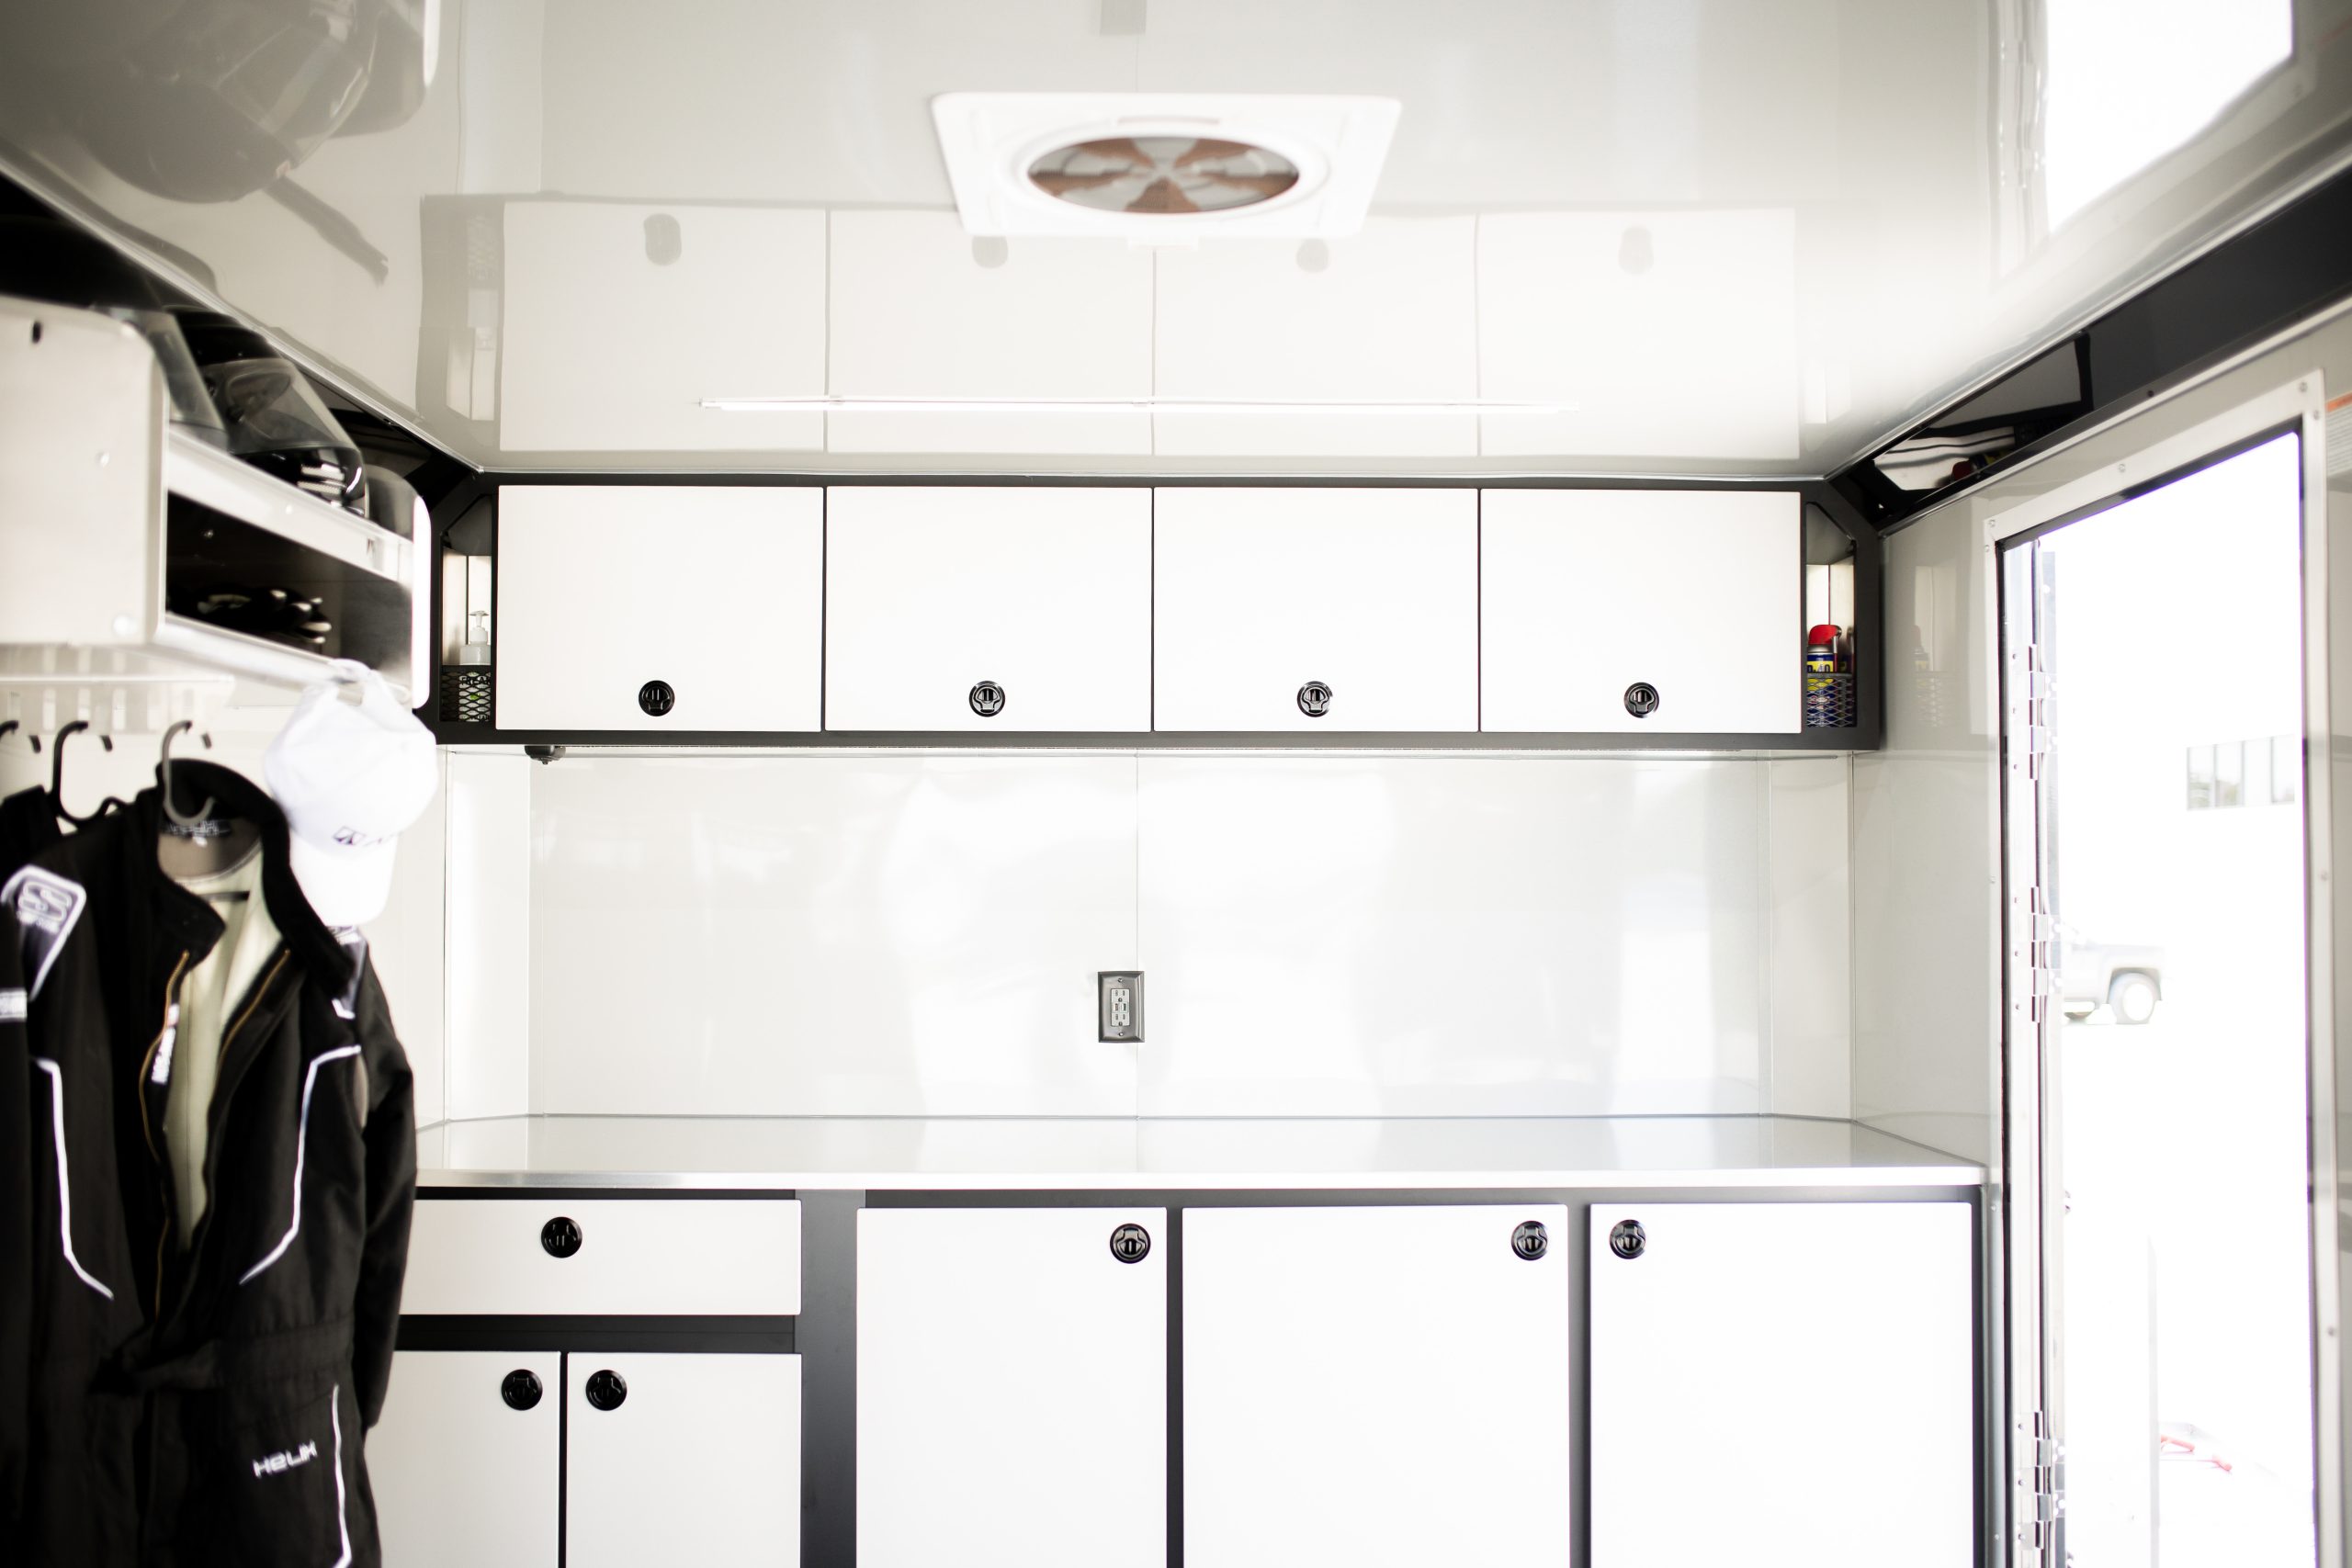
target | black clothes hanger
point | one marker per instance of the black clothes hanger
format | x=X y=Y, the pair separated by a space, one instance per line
x=57 y=776
x=11 y=727
x=163 y=775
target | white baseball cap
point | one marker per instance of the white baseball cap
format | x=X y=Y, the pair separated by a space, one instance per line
x=350 y=777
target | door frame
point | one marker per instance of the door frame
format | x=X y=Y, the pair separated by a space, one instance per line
x=2125 y=459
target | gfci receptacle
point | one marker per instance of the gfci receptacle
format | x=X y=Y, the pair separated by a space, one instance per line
x=1118 y=995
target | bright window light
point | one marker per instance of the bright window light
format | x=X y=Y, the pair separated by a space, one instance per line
x=2130 y=80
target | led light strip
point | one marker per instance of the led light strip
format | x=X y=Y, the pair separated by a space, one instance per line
x=1115 y=405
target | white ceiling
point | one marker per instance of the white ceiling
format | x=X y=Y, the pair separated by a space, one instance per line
x=1746 y=236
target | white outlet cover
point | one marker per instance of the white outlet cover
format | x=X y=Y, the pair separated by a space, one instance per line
x=1336 y=142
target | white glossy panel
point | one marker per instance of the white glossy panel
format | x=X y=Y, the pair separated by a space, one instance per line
x=490 y=907
x=920 y=311
x=1374 y=592
x=459 y=1476
x=1808 y=875
x=1012 y=1389
x=1081 y=1154
x=1757 y=1357
x=1583 y=593
x=875 y=935
x=1854 y=211
x=1387 y=315
x=699 y=1463
x=739 y=311
x=1315 y=1431
x=1925 y=895
x=1435 y=936
x=408 y=944
x=716 y=589
x=1619 y=314
x=1046 y=592
x=643 y=1258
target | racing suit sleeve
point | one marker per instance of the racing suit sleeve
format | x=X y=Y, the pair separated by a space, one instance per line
x=16 y=1223
x=390 y=1146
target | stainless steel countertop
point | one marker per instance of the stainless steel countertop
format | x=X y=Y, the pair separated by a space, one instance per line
x=987 y=1154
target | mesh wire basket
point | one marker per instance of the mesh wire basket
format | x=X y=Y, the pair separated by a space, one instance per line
x=465 y=694
x=1829 y=701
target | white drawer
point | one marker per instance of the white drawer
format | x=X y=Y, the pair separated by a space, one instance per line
x=686 y=1256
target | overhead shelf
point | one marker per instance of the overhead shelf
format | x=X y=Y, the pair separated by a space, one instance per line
x=116 y=525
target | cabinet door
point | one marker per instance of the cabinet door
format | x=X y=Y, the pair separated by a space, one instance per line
x=1695 y=593
x=1783 y=1385
x=1012 y=1389
x=698 y=1461
x=931 y=590
x=1372 y=594
x=465 y=1476
x=1375 y=1386
x=714 y=591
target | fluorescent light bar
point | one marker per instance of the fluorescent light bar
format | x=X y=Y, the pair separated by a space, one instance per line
x=1114 y=405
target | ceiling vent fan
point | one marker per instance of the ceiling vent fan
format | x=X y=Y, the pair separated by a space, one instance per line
x=1163 y=167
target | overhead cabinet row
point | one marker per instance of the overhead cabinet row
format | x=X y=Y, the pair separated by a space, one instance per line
x=1107 y=609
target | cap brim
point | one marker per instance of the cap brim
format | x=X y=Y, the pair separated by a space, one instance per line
x=345 y=888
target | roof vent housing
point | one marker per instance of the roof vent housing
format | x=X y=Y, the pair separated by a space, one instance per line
x=1163 y=167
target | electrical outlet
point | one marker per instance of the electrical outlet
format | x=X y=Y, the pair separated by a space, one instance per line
x=1119 y=1004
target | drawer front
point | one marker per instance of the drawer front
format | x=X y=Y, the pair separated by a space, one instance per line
x=619 y=1257
x=1044 y=594
x=1316 y=610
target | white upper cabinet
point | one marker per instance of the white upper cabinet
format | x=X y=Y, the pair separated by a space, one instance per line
x=715 y=591
x=1378 y=1387
x=988 y=608
x=1587 y=594
x=1012 y=1387
x=1782 y=1385
x=1363 y=603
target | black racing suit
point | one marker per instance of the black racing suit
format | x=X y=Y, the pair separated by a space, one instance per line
x=206 y=1404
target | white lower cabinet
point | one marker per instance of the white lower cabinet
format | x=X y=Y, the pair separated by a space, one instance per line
x=1376 y=1386
x=1782 y=1385
x=682 y=1459
x=465 y=1461
x=481 y=1457
x=1012 y=1388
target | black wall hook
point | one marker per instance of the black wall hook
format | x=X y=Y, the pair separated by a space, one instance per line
x=163 y=776
x=57 y=775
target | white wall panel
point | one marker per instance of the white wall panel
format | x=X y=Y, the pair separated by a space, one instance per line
x=1450 y=936
x=837 y=935
x=1925 y=900
x=919 y=310
x=1789 y=1386
x=1671 y=334
x=1809 y=935
x=739 y=312
x=489 y=951
x=1387 y=315
x=1012 y=1389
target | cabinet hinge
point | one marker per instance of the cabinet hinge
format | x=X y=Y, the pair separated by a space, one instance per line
x=2043 y=1480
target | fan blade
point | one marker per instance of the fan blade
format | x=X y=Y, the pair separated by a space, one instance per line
x=1162 y=194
